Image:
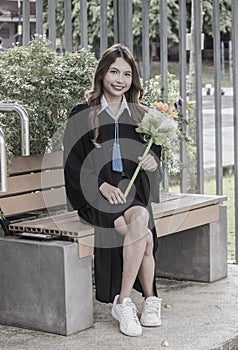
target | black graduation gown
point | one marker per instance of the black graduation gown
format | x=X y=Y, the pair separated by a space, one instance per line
x=86 y=168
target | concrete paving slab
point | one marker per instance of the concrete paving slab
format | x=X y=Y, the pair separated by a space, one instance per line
x=195 y=316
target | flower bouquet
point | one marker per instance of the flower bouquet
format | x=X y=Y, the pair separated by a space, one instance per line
x=159 y=127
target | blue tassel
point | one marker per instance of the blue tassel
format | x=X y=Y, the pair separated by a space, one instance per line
x=116 y=158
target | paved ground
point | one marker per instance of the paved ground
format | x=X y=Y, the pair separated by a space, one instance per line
x=195 y=316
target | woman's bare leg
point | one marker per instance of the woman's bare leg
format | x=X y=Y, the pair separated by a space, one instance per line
x=137 y=251
x=147 y=268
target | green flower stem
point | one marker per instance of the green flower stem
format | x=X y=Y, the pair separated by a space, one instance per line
x=138 y=168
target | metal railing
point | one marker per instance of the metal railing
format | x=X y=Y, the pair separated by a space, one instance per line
x=21 y=111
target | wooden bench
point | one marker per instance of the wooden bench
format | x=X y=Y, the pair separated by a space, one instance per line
x=191 y=231
x=36 y=188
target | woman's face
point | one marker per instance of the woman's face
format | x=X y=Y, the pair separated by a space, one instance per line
x=117 y=80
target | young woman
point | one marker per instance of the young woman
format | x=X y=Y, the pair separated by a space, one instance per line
x=101 y=152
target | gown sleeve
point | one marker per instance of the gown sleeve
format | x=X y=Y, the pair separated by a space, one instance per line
x=81 y=180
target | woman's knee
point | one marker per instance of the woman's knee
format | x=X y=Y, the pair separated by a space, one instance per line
x=137 y=217
x=121 y=225
x=133 y=223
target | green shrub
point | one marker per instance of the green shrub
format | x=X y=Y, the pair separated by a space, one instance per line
x=152 y=93
x=47 y=84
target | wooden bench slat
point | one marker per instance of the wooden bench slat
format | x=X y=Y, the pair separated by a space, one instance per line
x=25 y=164
x=170 y=196
x=33 y=182
x=183 y=204
x=186 y=220
x=67 y=224
x=33 y=201
x=60 y=217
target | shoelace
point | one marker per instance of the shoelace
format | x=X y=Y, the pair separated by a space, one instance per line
x=129 y=311
x=152 y=306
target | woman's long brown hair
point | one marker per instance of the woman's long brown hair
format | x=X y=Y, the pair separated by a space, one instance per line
x=133 y=95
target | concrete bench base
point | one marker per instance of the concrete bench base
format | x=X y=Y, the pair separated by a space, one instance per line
x=45 y=286
x=197 y=254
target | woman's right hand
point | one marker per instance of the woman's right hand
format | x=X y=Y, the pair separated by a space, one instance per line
x=113 y=194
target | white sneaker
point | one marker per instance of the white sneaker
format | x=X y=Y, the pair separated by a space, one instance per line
x=151 y=312
x=126 y=314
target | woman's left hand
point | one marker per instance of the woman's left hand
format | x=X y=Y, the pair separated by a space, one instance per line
x=148 y=163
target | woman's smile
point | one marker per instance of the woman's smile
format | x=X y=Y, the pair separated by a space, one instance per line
x=117 y=80
x=118 y=87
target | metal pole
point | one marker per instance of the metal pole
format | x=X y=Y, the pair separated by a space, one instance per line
x=21 y=111
x=182 y=91
x=26 y=22
x=230 y=59
x=115 y=9
x=217 y=95
x=121 y=21
x=128 y=38
x=19 y=25
x=39 y=17
x=164 y=69
x=3 y=163
x=52 y=23
x=68 y=25
x=103 y=26
x=223 y=59
x=83 y=24
x=164 y=49
x=198 y=89
x=235 y=103
x=145 y=41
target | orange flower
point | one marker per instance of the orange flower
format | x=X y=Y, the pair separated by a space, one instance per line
x=158 y=105
x=165 y=107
